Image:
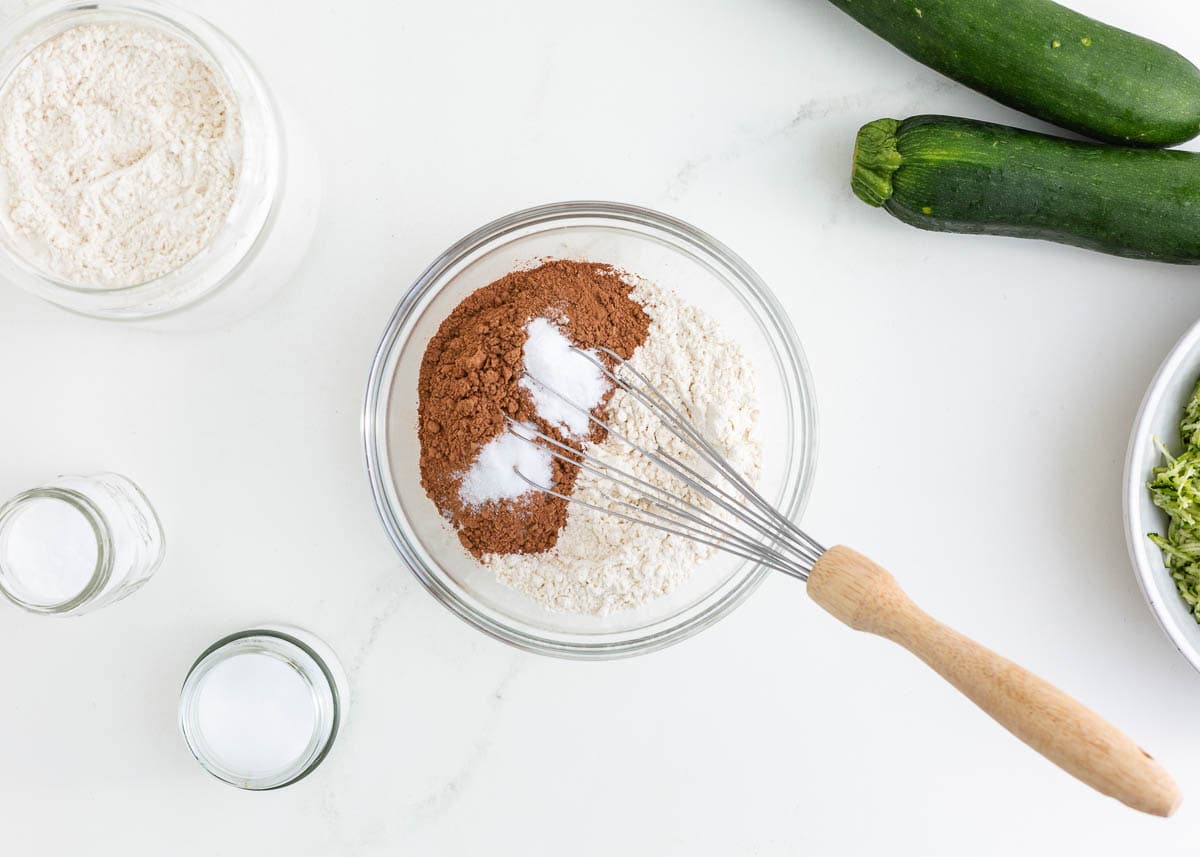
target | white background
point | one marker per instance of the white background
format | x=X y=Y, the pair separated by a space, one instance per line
x=975 y=394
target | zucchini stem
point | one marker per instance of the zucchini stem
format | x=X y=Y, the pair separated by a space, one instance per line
x=876 y=158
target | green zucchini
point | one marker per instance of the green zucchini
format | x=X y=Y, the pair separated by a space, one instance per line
x=959 y=175
x=1050 y=62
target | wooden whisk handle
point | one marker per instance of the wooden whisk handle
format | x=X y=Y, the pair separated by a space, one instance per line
x=867 y=598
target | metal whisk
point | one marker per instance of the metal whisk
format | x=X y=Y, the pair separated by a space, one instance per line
x=794 y=552
x=724 y=511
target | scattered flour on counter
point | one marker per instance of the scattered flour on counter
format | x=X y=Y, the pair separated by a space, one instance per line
x=602 y=563
x=120 y=148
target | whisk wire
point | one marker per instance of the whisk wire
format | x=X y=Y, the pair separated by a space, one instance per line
x=780 y=544
x=675 y=510
x=684 y=429
x=684 y=474
x=698 y=536
x=679 y=424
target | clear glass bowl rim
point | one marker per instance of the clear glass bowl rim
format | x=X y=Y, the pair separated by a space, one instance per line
x=562 y=214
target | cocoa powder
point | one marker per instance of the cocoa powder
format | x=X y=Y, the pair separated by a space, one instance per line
x=469 y=381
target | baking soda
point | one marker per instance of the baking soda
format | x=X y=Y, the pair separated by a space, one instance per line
x=565 y=386
x=494 y=475
x=570 y=383
x=49 y=552
x=256 y=714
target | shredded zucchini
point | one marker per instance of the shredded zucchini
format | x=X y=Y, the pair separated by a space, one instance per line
x=1175 y=488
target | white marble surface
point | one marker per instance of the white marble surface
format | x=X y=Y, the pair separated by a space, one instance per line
x=975 y=393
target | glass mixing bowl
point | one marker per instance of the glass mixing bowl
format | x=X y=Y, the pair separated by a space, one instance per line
x=669 y=252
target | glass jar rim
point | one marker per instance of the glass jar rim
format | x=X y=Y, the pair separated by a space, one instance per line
x=104 y=546
x=329 y=723
x=262 y=160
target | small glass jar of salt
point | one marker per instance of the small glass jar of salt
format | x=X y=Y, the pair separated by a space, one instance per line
x=77 y=543
x=261 y=709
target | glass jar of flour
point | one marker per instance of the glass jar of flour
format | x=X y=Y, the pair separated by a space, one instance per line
x=145 y=166
x=77 y=544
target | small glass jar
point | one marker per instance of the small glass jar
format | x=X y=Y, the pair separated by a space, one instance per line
x=262 y=708
x=270 y=224
x=77 y=544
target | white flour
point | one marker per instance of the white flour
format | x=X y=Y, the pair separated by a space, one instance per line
x=119 y=154
x=602 y=563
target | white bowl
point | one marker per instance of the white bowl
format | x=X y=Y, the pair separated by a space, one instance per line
x=1159 y=417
